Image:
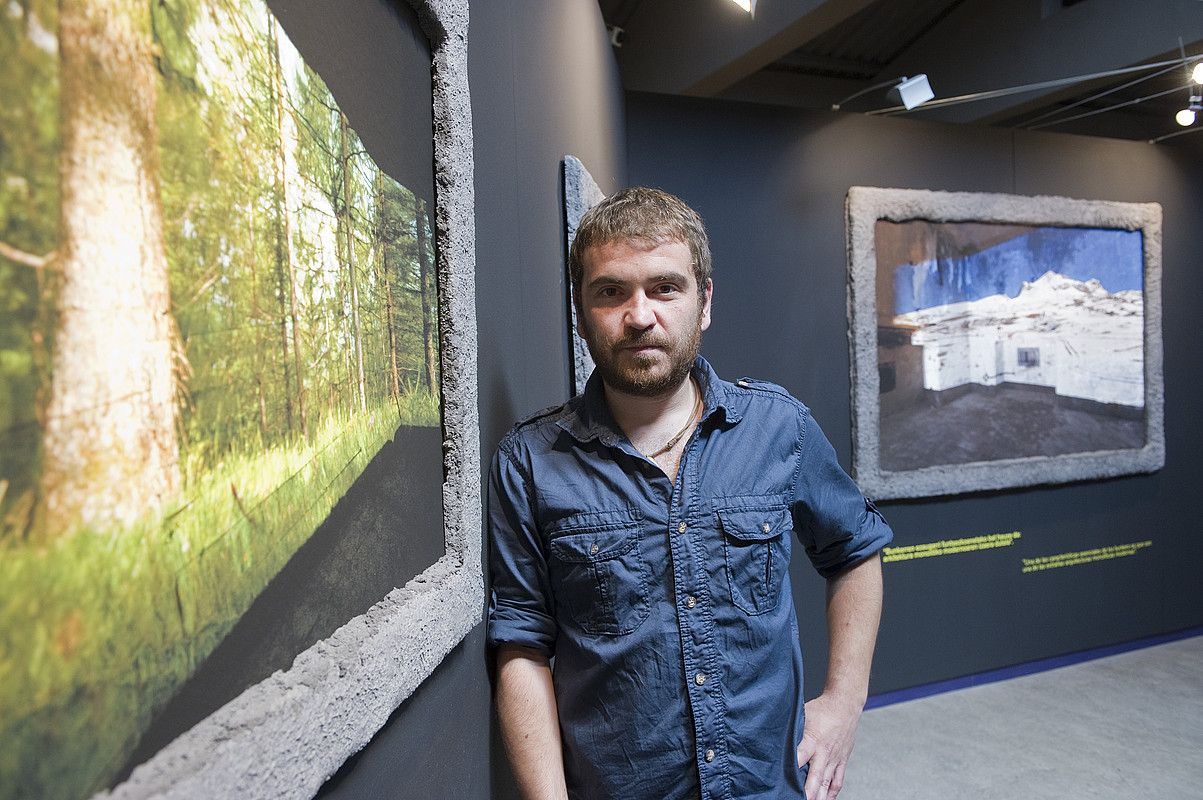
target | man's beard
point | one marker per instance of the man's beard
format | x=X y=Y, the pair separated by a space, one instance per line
x=645 y=375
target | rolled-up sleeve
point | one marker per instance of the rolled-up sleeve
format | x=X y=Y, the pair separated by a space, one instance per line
x=837 y=525
x=520 y=603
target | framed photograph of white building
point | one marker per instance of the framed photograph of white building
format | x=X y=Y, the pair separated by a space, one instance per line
x=1002 y=341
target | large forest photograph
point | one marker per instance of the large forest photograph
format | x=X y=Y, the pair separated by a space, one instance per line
x=215 y=310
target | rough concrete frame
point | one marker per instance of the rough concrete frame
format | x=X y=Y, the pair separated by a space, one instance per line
x=581 y=193
x=864 y=207
x=285 y=736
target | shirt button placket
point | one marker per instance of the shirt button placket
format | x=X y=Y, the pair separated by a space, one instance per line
x=695 y=634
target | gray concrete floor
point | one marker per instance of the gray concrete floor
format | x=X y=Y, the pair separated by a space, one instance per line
x=1125 y=726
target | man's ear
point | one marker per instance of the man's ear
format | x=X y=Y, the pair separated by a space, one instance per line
x=708 y=292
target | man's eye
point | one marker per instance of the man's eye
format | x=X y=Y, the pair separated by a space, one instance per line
x=667 y=288
x=608 y=291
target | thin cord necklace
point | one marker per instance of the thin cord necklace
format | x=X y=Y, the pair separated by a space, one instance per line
x=694 y=416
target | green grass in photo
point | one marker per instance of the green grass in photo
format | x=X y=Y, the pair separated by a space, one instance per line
x=100 y=628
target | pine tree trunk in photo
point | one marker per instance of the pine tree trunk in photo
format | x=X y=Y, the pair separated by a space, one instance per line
x=349 y=383
x=256 y=316
x=390 y=323
x=284 y=222
x=349 y=232
x=262 y=410
x=282 y=319
x=282 y=280
x=428 y=343
x=110 y=446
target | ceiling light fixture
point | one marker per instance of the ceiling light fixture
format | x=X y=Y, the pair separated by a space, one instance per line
x=1186 y=117
x=1196 y=74
x=910 y=92
x=746 y=5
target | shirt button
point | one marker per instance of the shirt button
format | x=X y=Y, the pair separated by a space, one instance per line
x=709 y=755
x=593 y=550
x=766 y=527
x=691 y=601
x=699 y=679
x=681 y=527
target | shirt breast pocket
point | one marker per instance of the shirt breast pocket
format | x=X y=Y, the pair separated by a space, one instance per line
x=598 y=573
x=757 y=547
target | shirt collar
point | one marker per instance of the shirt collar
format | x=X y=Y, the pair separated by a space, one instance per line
x=588 y=416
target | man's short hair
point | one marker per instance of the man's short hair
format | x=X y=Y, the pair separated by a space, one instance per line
x=640 y=214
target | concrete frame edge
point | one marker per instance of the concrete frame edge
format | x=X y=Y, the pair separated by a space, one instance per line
x=581 y=193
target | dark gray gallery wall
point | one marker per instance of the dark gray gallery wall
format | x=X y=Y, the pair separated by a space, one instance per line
x=771 y=183
x=544 y=84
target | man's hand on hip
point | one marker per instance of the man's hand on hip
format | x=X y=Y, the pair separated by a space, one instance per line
x=827 y=739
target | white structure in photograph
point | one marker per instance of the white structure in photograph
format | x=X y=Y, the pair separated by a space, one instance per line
x=1073 y=336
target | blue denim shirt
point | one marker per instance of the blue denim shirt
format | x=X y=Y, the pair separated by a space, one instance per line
x=667 y=605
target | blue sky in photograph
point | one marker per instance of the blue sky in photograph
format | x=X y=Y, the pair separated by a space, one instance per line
x=1114 y=257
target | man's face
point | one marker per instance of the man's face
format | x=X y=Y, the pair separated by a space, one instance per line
x=642 y=314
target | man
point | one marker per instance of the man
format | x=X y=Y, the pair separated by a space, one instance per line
x=641 y=536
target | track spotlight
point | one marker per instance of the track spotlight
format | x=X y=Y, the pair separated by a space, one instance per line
x=1196 y=74
x=910 y=92
x=746 y=5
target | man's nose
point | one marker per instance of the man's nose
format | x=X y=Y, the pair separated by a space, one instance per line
x=639 y=313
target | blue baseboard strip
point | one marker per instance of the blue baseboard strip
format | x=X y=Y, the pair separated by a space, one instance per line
x=1026 y=668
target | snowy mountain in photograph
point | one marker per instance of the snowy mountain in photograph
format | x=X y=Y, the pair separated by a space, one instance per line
x=950 y=275
x=1072 y=335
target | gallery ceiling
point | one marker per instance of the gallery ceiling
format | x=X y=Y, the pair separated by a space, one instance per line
x=813 y=53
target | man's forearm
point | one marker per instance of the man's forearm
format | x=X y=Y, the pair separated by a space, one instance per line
x=526 y=709
x=853 y=614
